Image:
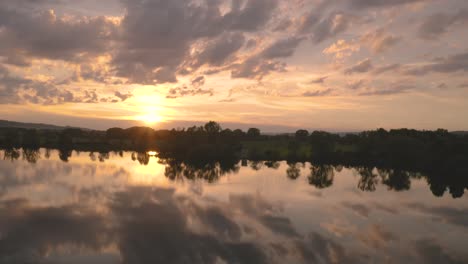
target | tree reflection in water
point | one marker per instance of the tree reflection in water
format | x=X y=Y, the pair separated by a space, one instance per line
x=294 y=170
x=31 y=155
x=11 y=154
x=86 y=211
x=321 y=176
x=440 y=178
x=396 y=180
x=211 y=171
x=65 y=154
x=368 y=180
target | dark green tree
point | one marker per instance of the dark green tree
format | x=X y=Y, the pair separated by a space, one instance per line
x=253 y=132
x=302 y=134
x=212 y=127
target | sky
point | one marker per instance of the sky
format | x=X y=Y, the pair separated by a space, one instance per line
x=336 y=65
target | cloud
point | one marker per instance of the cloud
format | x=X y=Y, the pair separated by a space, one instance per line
x=19 y=90
x=376 y=236
x=256 y=68
x=379 y=41
x=185 y=90
x=245 y=228
x=445 y=214
x=158 y=35
x=218 y=51
x=9 y=86
x=72 y=39
x=282 y=48
x=450 y=64
x=319 y=80
x=90 y=71
x=227 y=100
x=359 y=209
x=386 y=68
x=322 y=29
x=386 y=208
x=280 y=225
x=356 y=85
x=263 y=63
x=198 y=81
x=338 y=228
x=392 y=88
x=252 y=17
x=362 y=4
x=283 y=25
x=171 y=237
x=14 y=89
x=360 y=67
x=318 y=93
x=122 y=96
x=317 y=248
x=442 y=86
x=52 y=49
x=28 y=232
x=342 y=49
x=431 y=252
x=438 y=24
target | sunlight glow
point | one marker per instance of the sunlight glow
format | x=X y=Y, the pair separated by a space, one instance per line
x=150 y=116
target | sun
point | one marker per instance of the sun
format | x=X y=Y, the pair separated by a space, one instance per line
x=151 y=119
x=150 y=116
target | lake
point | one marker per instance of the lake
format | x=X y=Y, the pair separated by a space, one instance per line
x=134 y=208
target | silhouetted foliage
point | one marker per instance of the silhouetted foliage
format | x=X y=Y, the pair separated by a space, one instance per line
x=11 y=154
x=272 y=164
x=294 y=170
x=212 y=128
x=31 y=155
x=65 y=154
x=321 y=176
x=368 y=180
x=238 y=133
x=253 y=132
x=143 y=158
x=302 y=134
x=399 y=154
x=210 y=171
x=397 y=180
x=115 y=133
x=323 y=146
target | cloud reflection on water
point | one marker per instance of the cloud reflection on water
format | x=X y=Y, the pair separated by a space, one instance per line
x=96 y=212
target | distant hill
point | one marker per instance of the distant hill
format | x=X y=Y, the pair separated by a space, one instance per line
x=6 y=123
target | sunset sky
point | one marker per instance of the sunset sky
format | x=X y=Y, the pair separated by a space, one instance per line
x=337 y=65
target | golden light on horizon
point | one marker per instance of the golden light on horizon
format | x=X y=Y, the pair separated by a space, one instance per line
x=150 y=116
x=152 y=153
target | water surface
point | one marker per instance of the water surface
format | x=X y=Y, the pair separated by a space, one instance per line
x=134 y=208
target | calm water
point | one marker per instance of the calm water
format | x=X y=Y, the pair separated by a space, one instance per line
x=99 y=208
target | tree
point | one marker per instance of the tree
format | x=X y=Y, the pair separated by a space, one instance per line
x=294 y=170
x=115 y=133
x=238 y=133
x=226 y=132
x=302 y=134
x=321 y=176
x=212 y=127
x=253 y=132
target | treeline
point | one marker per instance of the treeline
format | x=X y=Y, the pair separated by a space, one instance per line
x=319 y=175
x=206 y=142
x=400 y=148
